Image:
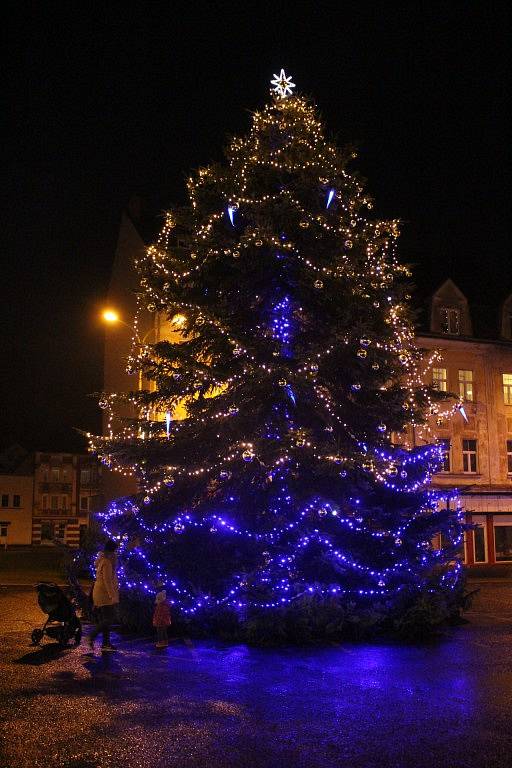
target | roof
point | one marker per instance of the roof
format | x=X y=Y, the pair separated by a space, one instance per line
x=16 y=460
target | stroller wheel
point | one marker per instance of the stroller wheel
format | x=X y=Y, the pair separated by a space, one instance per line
x=37 y=636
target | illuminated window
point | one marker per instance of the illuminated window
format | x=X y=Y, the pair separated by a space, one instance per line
x=507 y=388
x=466 y=385
x=450 y=321
x=469 y=463
x=509 y=457
x=439 y=379
x=446 y=446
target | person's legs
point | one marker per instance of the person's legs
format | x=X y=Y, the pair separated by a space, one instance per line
x=108 y=619
x=104 y=619
x=161 y=636
x=98 y=621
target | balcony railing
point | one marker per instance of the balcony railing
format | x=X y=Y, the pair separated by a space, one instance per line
x=54 y=487
x=53 y=512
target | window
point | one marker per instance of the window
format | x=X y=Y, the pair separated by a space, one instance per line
x=16 y=500
x=54 y=501
x=65 y=504
x=480 y=539
x=450 y=321
x=65 y=473
x=466 y=385
x=503 y=542
x=439 y=379
x=84 y=503
x=5 y=499
x=3 y=530
x=55 y=474
x=509 y=457
x=85 y=475
x=507 y=388
x=44 y=501
x=446 y=447
x=469 y=456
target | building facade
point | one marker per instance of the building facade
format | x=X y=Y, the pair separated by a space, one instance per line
x=67 y=490
x=16 y=497
x=47 y=497
x=478 y=443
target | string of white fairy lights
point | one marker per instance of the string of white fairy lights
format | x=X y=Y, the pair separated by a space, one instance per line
x=376 y=274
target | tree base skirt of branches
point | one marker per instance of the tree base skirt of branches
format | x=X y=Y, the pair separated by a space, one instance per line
x=313 y=619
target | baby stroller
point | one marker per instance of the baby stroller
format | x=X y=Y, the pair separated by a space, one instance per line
x=62 y=623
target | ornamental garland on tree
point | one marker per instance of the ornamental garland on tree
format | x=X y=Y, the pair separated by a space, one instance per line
x=291 y=475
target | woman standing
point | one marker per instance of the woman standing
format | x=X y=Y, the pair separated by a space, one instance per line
x=105 y=595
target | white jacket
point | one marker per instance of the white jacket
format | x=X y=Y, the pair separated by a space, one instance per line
x=106 y=586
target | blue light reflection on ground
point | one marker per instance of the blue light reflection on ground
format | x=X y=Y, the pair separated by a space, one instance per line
x=368 y=705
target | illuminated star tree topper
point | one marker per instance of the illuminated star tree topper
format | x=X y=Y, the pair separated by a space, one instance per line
x=282 y=85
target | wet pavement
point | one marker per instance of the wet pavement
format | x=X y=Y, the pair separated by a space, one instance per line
x=204 y=705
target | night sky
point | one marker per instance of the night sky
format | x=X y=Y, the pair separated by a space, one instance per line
x=110 y=100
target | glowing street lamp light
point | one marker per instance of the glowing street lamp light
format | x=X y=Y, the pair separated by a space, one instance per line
x=110 y=316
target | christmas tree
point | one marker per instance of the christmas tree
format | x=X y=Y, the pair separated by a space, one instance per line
x=291 y=485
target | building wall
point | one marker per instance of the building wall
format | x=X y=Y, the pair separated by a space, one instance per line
x=118 y=339
x=16 y=520
x=61 y=482
x=486 y=495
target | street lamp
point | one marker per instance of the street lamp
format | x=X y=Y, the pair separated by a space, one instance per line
x=110 y=316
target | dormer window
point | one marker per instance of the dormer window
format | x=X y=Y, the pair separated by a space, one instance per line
x=450 y=321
